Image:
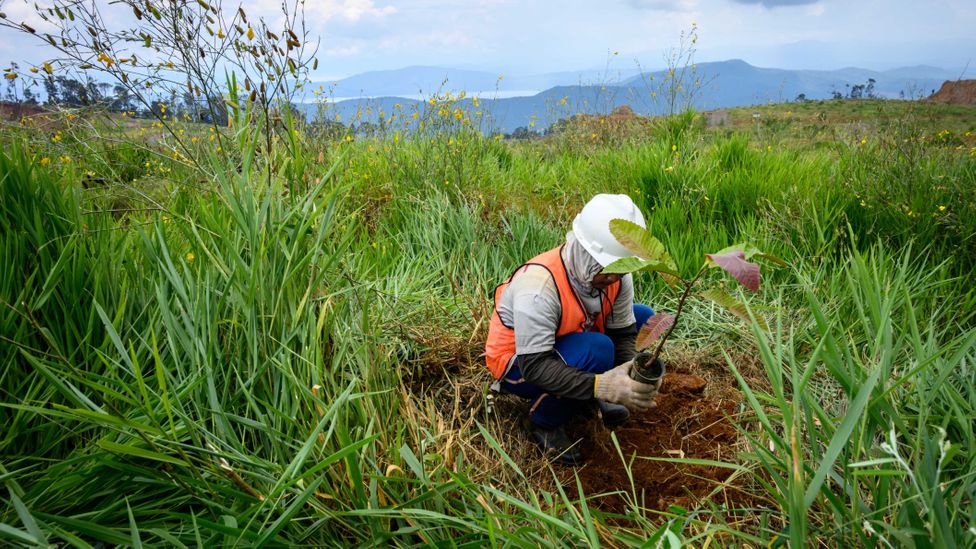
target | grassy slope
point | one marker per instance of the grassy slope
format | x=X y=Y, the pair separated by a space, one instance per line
x=241 y=364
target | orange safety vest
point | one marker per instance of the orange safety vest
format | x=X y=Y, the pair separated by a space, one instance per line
x=500 y=346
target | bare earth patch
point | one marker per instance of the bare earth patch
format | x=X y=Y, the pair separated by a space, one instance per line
x=685 y=424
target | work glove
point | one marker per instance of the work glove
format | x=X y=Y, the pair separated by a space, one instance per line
x=616 y=386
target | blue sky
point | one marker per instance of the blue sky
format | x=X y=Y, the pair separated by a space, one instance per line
x=534 y=36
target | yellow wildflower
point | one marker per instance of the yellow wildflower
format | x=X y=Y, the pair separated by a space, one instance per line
x=47 y=68
x=942 y=208
x=190 y=257
x=45 y=161
x=250 y=33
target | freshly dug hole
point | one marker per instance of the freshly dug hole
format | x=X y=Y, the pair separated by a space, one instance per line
x=685 y=424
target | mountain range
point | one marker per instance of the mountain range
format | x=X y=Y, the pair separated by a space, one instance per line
x=540 y=100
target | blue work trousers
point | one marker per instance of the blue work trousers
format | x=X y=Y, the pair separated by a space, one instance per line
x=589 y=351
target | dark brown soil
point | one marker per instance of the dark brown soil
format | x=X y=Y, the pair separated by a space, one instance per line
x=685 y=424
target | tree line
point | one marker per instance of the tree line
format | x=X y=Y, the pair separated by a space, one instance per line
x=69 y=92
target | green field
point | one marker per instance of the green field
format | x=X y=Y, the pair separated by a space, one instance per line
x=213 y=342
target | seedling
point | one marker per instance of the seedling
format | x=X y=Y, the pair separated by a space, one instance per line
x=652 y=256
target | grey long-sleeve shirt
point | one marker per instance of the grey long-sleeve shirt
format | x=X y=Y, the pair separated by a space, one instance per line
x=530 y=304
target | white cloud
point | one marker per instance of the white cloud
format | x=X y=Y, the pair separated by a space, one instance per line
x=771 y=4
x=343 y=51
x=665 y=5
x=349 y=10
x=816 y=10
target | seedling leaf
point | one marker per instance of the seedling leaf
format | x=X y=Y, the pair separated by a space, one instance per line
x=654 y=328
x=751 y=251
x=735 y=264
x=733 y=305
x=626 y=265
x=640 y=241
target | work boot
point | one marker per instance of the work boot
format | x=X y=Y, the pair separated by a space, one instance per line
x=614 y=415
x=557 y=442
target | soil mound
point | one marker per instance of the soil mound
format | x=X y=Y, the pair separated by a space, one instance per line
x=16 y=111
x=955 y=92
x=685 y=424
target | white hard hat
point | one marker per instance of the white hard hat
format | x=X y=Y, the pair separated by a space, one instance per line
x=592 y=226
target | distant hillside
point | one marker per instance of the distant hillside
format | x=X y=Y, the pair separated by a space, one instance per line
x=419 y=80
x=720 y=85
x=737 y=81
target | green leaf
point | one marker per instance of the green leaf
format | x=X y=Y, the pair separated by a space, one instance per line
x=296 y=505
x=498 y=448
x=732 y=305
x=133 y=528
x=640 y=241
x=841 y=436
x=27 y=518
x=627 y=265
x=135 y=451
x=8 y=531
x=411 y=460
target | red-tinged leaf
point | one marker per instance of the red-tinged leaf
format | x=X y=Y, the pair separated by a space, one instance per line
x=653 y=329
x=733 y=305
x=751 y=251
x=735 y=264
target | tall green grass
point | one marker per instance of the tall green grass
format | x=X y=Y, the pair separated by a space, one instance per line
x=288 y=352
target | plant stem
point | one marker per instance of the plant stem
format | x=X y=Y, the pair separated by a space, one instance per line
x=677 y=312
